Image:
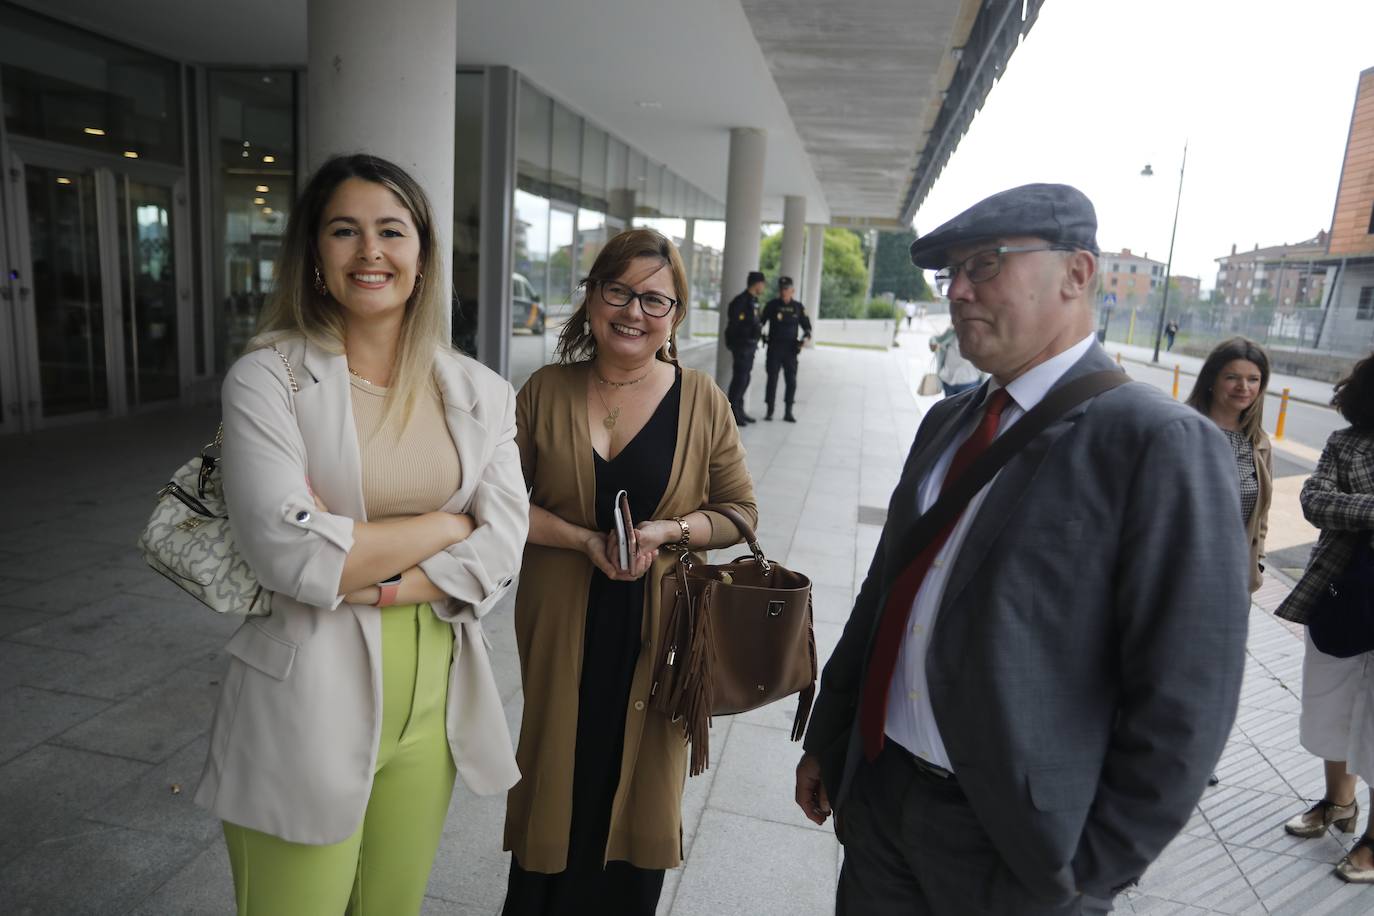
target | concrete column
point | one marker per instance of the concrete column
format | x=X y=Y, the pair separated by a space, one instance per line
x=497 y=220
x=689 y=257
x=793 y=232
x=387 y=91
x=743 y=216
x=815 y=258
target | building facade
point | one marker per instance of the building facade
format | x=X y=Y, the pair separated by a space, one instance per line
x=151 y=163
x=1349 y=318
x=1132 y=279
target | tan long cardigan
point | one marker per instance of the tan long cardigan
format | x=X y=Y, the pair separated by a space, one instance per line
x=1258 y=525
x=551 y=609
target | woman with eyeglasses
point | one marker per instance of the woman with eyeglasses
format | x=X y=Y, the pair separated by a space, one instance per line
x=597 y=815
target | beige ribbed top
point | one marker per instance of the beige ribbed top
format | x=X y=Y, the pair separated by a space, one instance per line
x=409 y=474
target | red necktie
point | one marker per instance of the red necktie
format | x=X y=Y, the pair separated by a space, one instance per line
x=873 y=704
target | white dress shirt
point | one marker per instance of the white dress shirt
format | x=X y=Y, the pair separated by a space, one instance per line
x=910 y=717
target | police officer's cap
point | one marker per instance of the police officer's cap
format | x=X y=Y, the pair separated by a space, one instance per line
x=756 y=276
x=1056 y=213
x=784 y=282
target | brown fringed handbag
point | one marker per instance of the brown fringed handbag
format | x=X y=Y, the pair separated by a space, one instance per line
x=733 y=638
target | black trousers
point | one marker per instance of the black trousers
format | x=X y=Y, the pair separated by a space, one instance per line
x=781 y=358
x=743 y=355
x=913 y=846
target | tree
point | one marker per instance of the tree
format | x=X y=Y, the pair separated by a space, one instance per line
x=893 y=271
x=844 y=273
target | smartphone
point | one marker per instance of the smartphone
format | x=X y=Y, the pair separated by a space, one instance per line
x=624 y=527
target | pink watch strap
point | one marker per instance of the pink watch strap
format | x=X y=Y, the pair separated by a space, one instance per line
x=388 y=594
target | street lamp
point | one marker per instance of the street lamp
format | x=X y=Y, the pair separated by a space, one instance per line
x=1168 y=268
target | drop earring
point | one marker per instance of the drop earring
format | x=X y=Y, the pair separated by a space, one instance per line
x=320 y=286
x=586 y=328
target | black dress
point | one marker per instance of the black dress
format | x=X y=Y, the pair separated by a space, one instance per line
x=610 y=650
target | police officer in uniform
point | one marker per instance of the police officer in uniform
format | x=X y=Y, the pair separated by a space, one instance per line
x=742 y=330
x=781 y=317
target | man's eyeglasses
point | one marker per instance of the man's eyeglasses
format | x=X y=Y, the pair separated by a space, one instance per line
x=984 y=265
x=619 y=295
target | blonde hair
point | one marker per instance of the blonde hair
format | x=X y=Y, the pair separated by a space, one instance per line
x=575 y=343
x=295 y=306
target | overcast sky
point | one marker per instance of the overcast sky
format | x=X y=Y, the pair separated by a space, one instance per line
x=1261 y=89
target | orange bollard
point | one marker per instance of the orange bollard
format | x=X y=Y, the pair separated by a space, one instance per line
x=1283 y=415
x=1177 y=369
x=1118 y=359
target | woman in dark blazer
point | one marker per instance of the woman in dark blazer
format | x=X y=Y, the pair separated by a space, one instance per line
x=1337 y=721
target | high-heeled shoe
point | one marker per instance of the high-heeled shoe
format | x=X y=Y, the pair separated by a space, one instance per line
x=1315 y=820
x=1347 y=870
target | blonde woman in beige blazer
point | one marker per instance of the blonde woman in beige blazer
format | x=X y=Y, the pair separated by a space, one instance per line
x=384 y=506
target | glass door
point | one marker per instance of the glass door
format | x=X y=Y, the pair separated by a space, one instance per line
x=148 y=291
x=61 y=308
x=99 y=315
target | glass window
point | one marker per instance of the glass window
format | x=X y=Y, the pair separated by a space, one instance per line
x=69 y=86
x=651 y=201
x=467 y=208
x=635 y=176
x=591 y=238
x=530 y=250
x=252 y=174
x=1364 y=309
x=619 y=192
x=566 y=169
x=593 y=168
x=532 y=140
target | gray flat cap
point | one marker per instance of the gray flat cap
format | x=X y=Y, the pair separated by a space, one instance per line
x=1054 y=212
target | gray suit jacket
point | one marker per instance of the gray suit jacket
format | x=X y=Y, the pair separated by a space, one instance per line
x=1086 y=662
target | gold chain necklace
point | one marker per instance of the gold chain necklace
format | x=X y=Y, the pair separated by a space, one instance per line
x=633 y=381
x=360 y=378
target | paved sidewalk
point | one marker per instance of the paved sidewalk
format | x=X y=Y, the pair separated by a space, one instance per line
x=107 y=676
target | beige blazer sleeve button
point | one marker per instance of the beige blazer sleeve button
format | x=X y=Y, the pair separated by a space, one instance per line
x=639 y=705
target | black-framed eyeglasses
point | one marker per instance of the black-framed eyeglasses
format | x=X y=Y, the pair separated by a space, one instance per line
x=984 y=265
x=619 y=295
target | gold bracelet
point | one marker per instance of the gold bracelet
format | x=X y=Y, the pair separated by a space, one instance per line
x=686 y=532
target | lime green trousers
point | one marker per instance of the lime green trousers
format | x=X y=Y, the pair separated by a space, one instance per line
x=383 y=868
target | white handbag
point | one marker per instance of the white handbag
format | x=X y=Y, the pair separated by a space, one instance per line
x=188 y=538
x=930 y=382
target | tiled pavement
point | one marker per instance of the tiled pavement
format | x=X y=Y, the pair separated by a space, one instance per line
x=107 y=676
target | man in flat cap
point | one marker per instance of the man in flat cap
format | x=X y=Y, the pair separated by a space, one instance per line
x=783 y=318
x=742 y=332
x=1024 y=708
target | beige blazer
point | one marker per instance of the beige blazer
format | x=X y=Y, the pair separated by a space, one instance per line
x=295 y=735
x=1258 y=525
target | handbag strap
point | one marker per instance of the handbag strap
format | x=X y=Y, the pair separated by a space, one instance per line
x=746 y=531
x=985 y=467
x=291 y=380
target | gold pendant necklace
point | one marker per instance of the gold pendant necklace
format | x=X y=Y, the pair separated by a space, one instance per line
x=360 y=378
x=611 y=415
